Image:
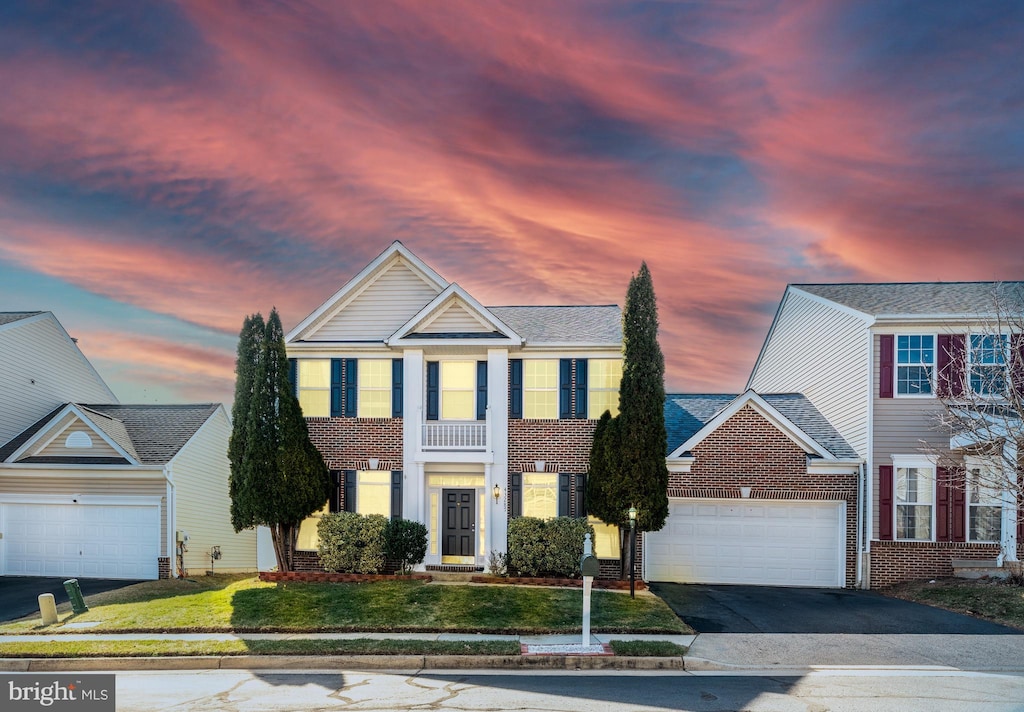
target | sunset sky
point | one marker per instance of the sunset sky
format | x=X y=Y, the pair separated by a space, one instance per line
x=167 y=168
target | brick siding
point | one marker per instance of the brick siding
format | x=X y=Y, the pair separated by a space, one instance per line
x=346 y=443
x=897 y=561
x=163 y=567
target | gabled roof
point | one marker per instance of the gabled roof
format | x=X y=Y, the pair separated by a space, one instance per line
x=145 y=434
x=691 y=417
x=918 y=298
x=598 y=325
x=10 y=317
x=483 y=323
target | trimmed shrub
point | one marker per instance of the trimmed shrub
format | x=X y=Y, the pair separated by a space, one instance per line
x=546 y=547
x=405 y=541
x=352 y=543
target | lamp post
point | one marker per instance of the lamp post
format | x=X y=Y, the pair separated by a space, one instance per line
x=632 y=551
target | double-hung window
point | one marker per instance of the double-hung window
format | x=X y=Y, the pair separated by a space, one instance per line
x=988 y=358
x=984 y=505
x=603 y=389
x=314 y=388
x=458 y=390
x=373 y=492
x=915 y=364
x=540 y=389
x=540 y=494
x=374 y=388
x=915 y=499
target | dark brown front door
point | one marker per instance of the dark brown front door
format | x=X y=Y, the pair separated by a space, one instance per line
x=459 y=522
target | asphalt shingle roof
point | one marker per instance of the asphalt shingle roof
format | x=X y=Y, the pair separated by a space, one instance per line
x=153 y=434
x=920 y=298
x=564 y=324
x=685 y=414
x=9 y=317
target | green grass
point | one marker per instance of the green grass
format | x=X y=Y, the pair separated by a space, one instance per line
x=647 y=648
x=991 y=600
x=245 y=604
x=160 y=648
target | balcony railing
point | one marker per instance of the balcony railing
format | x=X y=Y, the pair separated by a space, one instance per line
x=454 y=436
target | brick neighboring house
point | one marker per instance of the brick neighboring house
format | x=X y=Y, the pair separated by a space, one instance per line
x=762 y=490
x=430 y=406
x=874 y=359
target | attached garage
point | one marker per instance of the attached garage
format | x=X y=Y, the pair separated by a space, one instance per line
x=738 y=541
x=80 y=540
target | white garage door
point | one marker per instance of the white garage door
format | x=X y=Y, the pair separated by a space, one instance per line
x=80 y=540
x=771 y=543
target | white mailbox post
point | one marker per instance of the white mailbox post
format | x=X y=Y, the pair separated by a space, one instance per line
x=589 y=567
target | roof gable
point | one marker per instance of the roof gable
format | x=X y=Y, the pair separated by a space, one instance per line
x=454 y=315
x=74 y=434
x=374 y=303
x=693 y=418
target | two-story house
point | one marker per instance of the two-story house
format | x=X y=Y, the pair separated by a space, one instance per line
x=92 y=488
x=427 y=405
x=878 y=361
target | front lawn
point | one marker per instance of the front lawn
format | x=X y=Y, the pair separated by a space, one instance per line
x=244 y=603
x=989 y=599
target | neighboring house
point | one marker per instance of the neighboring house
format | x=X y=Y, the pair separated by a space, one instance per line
x=762 y=490
x=874 y=359
x=430 y=406
x=101 y=491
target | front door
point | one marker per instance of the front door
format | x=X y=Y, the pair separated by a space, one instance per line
x=459 y=529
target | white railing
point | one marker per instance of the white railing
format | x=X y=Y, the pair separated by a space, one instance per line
x=454 y=436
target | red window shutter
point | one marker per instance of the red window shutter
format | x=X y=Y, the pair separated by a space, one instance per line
x=1017 y=364
x=885 y=502
x=1020 y=518
x=951 y=365
x=942 y=497
x=958 y=505
x=886 y=348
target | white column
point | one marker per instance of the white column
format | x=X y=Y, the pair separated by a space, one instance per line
x=1009 y=512
x=497 y=442
x=413 y=490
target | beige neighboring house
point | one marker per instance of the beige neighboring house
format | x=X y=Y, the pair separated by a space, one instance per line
x=92 y=488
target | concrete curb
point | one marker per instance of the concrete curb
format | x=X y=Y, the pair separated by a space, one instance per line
x=346 y=662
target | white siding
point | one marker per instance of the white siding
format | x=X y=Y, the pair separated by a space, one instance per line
x=40 y=368
x=56 y=448
x=203 y=507
x=393 y=298
x=455 y=319
x=86 y=482
x=820 y=351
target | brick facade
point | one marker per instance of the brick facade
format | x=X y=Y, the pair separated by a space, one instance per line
x=346 y=443
x=897 y=561
x=748 y=451
x=163 y=567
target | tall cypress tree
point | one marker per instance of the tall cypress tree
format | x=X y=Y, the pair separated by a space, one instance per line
x=642 y=437
x=250 y=350
x=281 y=477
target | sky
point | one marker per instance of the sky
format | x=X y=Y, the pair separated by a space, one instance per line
x=167 y=168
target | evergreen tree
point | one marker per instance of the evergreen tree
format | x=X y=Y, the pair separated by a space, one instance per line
x=250 y=349
x=282 y=479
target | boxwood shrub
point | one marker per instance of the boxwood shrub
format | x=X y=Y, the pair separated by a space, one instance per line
x=546 y=547
x=352 y=543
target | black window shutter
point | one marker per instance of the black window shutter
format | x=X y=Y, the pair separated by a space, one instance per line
x=565 y=388
x=433 y=389
x=481 y=390
x=334 y=503
x=564 y=492
x=397 y=376
x=515 y=493
x=351 y=387
x=293 y=376
x=396 y=494
x=515 y=388
x=336 y=394
x=581 y=495
x=350 y=490
x=581 y=388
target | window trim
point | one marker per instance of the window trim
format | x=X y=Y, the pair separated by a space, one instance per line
x=971 y=465
x=933 y=367
x=361 y=388
x=591 y=390
x=970 y=364
x=553 y=389
x=903 y=462
x=299 y=365
x=553 y=487
x=441 y=390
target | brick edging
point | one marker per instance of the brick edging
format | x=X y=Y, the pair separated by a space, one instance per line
x=614 y=584
x=324 y=577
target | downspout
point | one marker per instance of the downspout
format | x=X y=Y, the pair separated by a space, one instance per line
x=861 y=544
x=869 y=469
x=172 y=540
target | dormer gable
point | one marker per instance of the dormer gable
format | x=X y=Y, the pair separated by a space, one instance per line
x=372 y=305
x=454 y=316
x=77 y=435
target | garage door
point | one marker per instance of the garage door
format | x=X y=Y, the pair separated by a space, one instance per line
x=771 y=543
x=80 y=540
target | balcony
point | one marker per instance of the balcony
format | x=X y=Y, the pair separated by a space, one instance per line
x=454 y=436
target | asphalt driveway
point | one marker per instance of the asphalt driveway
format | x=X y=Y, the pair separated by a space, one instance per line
x=763 y=609
x=19 y=595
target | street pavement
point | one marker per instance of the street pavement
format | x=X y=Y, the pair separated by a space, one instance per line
x=19 y=595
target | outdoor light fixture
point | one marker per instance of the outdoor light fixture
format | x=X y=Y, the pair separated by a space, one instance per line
x=496 y=492
x=632 y=517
